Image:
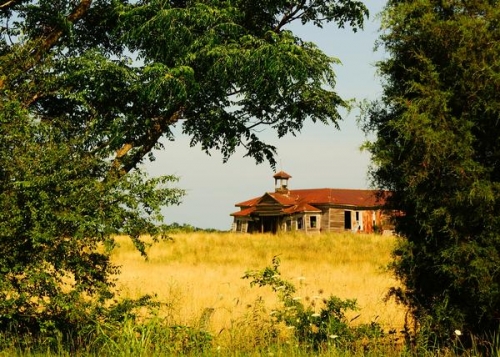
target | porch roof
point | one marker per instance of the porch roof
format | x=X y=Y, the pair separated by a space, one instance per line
x=301 y=207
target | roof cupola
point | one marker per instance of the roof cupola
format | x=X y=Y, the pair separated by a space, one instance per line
x=281 y=182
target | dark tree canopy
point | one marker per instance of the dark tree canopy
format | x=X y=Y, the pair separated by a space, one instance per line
x=437 y=148
x=124 y=72
x=88 y=88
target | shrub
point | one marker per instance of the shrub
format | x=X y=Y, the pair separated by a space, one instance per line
x=312 y=328
x=61 y=210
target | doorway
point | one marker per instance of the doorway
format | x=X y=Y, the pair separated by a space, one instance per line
x=269 y=224
x=347 y=220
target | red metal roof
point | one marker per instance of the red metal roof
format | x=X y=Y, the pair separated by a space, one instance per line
x=281 y=175
x=350 y=197
x=337 y=196
x=248 y=203
x=301 y=207
x=283 y=199
x=306 y=199
x=243 y=212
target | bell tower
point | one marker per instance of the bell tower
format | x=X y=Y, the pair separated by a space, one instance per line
x=281 y=182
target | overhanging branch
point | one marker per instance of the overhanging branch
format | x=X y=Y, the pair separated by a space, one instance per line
x=124 y=163
x=51 y=39
x=5 y=4
x=290 y=16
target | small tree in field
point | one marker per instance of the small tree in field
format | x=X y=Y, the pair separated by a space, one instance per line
x=437 y=148
x=88 y=88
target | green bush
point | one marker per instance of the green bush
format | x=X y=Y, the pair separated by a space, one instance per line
x=312 y=326
x=61 y=209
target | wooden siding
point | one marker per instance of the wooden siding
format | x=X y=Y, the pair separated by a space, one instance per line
x=268 y=207
x=325 y=220
x=308 y=227
x=336 y=219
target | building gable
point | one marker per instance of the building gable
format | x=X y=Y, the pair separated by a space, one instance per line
x=268 y=205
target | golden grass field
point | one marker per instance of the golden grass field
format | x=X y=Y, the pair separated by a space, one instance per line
x=196 y=271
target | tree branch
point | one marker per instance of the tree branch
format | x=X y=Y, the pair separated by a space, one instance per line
x=262 y=122
x=290 y=16
x=120 y=155
x=51 y=39
x=122 y=163
x=5 y=4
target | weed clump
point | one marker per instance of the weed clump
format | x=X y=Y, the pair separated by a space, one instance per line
x=315 y=327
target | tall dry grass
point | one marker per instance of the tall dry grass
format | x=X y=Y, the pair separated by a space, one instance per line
x=197 y=272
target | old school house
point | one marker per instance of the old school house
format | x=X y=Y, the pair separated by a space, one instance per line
x=311 y=210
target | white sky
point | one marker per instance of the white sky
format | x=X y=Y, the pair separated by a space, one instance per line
x=321 y=156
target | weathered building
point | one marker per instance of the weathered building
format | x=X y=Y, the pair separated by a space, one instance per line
x=311 y=210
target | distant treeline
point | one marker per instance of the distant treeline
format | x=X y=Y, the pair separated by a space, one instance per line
x=186 y=228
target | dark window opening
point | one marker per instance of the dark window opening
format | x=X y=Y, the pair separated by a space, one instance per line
x=313 y=221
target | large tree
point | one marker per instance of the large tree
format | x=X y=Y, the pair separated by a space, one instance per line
x=124 y=74
x=437 y=148
x=88 y=88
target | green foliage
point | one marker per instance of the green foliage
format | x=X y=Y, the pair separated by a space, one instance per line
x=152 y=336
x=313 y=326
x=89 y=88
x=437 y=148
x=124 y=72
x=186 y=228
x=60 y=212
